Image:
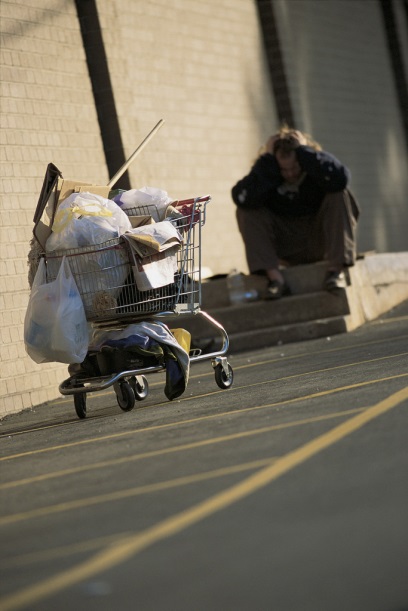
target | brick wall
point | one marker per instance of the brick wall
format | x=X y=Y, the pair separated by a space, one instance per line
x=197 y=65
x=343 y=92
x=47 y=114
x=200 y=67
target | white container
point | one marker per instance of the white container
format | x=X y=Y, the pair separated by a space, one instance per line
x=236 y=289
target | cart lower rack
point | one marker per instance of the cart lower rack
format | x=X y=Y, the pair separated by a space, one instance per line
x=107 y=278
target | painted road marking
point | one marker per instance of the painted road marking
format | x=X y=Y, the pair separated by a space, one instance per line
x=123 y=550
x=210 y=394
x=136 y=491
x=173 y=449
x=323 y=393
x=248 y=365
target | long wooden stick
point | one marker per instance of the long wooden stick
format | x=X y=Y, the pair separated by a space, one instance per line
x=139 y=149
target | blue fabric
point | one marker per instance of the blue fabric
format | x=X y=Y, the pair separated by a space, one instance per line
x=146 y=346
x=127 y=343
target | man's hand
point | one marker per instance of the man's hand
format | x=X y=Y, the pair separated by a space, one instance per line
x=297 y=138
x=271 y=142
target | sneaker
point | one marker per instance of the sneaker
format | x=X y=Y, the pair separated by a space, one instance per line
x=276 y=289
x=334 y=281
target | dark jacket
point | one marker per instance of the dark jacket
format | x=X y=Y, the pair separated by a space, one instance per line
x=263 y=185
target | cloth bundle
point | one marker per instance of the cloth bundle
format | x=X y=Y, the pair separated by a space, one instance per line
x=149 y=339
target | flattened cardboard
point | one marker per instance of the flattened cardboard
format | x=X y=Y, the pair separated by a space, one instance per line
x=139 y=221
x=49 y=202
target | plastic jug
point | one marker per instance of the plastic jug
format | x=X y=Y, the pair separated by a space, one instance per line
x=236 y=289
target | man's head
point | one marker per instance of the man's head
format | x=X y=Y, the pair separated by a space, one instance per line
x=289 y=166
x=283 y=146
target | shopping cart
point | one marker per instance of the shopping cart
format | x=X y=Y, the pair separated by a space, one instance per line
x=105 y=278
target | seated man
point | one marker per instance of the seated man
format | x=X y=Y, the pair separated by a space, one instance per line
x=294 y=207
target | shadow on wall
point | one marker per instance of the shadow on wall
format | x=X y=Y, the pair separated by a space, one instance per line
x=47 y=17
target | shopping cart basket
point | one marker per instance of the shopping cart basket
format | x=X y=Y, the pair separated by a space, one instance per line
x=105 y=278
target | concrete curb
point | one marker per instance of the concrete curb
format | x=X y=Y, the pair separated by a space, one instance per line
x=379 y=282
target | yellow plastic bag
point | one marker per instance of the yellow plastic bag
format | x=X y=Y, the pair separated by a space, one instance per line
x=85 y=219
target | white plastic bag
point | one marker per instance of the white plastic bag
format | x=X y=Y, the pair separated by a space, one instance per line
x=155 y=199
x=85 y=219
x=55 y=325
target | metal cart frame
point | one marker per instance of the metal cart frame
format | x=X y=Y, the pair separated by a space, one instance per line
x=114 y=262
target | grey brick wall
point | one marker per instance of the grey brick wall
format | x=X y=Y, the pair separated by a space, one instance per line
x=343 y=92
x=47 y=114
x=197 y=65
x=200 y=67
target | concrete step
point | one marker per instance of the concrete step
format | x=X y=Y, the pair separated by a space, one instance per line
x=293 y=309
x=285 y=334
x=271 y=336
x=300 y=279
x=377 y=283
x=262 y=323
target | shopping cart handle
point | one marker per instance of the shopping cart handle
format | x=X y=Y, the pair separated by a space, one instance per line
x=188 y=202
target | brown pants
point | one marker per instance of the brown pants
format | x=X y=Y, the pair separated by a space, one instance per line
x=329 y=235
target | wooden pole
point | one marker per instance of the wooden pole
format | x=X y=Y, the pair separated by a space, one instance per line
x=133 y=156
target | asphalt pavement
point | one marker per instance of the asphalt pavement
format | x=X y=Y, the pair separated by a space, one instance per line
x=286 y=492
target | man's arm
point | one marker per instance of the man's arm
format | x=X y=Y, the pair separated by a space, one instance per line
x=328 y=172
x=255 y=189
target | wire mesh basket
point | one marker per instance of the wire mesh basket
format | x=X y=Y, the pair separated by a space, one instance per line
x=105 y=273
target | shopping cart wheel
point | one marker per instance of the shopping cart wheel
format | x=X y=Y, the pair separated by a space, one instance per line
x=125 y=396
x=140 y=387
x=80 y=404
x=223 y=379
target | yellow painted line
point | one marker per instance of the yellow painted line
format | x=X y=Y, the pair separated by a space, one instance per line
x=295 y=375
x=64 y=551
x=216 y=392
x=45 y=427
x=131 y=492
x=321 y=352
x=299 y=375
x=209 y=417
x=173 y=449
x=235 y=387
x=124 y=550
x=255 y=364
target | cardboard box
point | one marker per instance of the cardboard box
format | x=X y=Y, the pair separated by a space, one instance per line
x=54 y=190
